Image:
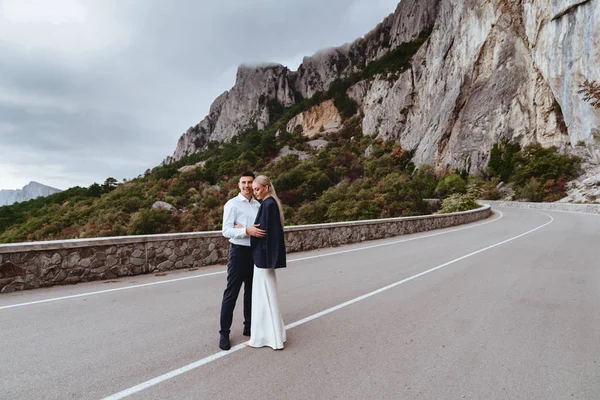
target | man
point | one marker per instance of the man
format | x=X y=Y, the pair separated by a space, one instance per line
x=239 y=211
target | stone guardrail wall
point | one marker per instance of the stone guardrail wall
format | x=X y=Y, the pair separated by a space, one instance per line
x=41 y=264
x=585 y=208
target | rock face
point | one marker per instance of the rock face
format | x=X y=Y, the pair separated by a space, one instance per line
x=486 y=77
x=323 y=118
x=32 y=190
x=245 y=105
x=490 y=70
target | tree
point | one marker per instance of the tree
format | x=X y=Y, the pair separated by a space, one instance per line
x=591 y=92
x=95 y=190
x=502 y=159
x=109 y=185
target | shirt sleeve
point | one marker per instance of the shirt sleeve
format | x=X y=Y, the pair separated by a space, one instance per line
x=228 y=220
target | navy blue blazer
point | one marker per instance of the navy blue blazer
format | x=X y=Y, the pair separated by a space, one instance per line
x=269 y=251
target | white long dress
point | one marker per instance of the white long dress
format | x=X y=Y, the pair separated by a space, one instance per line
x=267 y=327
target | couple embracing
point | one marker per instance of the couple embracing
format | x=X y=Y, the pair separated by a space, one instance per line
x=257 y=248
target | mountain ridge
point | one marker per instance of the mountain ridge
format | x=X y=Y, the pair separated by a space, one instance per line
x=489 y=71
x=30 y=191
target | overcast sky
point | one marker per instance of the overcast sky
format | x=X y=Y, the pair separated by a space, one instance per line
x=91 y=89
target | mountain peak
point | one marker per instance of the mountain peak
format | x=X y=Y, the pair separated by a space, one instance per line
x=30 y=191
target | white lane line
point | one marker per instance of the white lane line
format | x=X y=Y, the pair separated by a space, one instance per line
x=216 y=356
x=558 y=211
x=108 y=290
x=398 y=241
x=223 y=272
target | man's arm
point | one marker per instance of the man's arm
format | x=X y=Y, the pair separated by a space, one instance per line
x=229 y=231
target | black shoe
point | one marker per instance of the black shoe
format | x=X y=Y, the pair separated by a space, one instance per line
x=246 y=331
x=224 y=342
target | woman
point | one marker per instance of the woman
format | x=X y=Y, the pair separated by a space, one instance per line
x=268 y=252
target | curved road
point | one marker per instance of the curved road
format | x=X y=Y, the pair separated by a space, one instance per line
x=506 y=308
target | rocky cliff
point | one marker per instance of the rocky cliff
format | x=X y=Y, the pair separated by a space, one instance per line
x=489 y=70
x=30 y=191
x=320 y=119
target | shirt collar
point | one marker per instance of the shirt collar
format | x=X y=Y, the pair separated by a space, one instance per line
x=242 y=198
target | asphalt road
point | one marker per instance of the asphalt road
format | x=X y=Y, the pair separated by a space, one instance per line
x=505 y=308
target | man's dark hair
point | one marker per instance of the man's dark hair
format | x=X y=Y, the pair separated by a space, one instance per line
x=247 y=173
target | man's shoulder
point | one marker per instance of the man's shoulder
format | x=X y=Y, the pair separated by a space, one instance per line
x=232 y=201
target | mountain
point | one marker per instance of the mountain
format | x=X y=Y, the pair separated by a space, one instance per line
x=30 y=191
x=488 y=71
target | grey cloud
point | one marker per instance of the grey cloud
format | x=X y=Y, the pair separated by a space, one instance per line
x=120 y=111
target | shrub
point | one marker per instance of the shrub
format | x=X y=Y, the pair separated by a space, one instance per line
x=150 y=221
x=531 y=191
x=542 y=164
x=461 y=202
x=425 y=181
x=450 y=184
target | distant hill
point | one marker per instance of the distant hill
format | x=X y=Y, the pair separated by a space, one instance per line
x=32 y=190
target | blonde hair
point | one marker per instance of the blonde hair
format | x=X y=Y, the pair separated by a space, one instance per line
x=265 y=181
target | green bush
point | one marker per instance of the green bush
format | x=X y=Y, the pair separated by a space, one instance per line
x=542 y=164
x=462 y=202
x=531 y=191
x=150 y=221
x=424 y=181
x=450 y=184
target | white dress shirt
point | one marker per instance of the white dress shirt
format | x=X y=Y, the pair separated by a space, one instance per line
x=242 y=211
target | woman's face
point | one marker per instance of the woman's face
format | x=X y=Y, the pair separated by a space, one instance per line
x=260 y=191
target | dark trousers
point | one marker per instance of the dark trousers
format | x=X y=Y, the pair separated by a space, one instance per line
x=240 y=269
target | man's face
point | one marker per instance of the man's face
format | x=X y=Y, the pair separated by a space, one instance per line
x=245 y=185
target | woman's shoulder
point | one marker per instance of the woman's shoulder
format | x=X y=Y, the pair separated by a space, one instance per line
x=270 y=205
x=269 y=202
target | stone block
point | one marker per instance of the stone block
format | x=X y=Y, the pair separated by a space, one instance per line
x=60 y=276
x=165 y=265
x=138 y=261
x=85 y=263
x=8 y=270
x=137 y=254
x=56 y=259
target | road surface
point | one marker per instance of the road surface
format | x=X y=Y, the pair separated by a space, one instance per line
x=505 y=308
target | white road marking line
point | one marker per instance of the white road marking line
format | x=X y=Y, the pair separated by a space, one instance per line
x=558 y=211
x=398 y=241
x=216 y=356
x=108 y=290
x=223 y=272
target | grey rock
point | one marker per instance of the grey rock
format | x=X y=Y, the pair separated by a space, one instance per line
x=285 y=151
x=244 y=105
x=137 y=253
x=61 y=276
x=161 y=205
x=138 y=261
x=317 y=144
x=112 y=260
x=56 y=259
x=188 y=168
x=166 y=265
